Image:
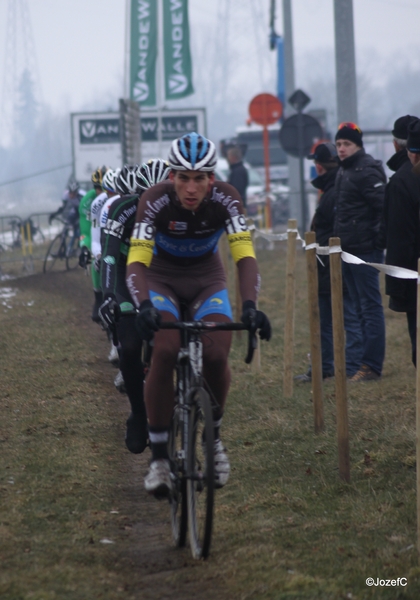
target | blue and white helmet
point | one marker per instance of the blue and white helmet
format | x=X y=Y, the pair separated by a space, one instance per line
x=192 y=152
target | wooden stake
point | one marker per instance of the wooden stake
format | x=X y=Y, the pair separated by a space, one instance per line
x=315 y=332
x=418 y=412
x=339 y=359
x=290 y=309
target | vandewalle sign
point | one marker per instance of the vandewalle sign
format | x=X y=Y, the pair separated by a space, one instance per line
x=172 y=127
x=99 y=131
x=143 y=51
x=96 y=136
x=176 y=36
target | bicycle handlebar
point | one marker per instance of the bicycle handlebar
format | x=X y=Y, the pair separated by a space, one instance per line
x=214 y=326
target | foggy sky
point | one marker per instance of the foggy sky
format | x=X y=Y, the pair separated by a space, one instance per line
x=80 y=46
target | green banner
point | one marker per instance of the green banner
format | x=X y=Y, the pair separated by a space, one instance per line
x=143 y=51
x=176 y=40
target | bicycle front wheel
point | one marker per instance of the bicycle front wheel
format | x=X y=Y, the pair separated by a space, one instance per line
x=178 y=501
x=200 y=475
x=56 y=251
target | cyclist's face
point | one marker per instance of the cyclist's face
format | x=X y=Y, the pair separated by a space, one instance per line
x=191 y=187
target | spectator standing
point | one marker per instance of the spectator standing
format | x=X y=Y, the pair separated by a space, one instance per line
x=359 y=196
x=326 y=164
x=238 y=174
x=401 y=226
x=413 y=145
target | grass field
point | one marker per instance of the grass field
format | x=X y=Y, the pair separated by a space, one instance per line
x=286 y=526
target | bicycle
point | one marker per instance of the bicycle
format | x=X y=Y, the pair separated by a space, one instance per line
x=191 y=437
x=64 y=247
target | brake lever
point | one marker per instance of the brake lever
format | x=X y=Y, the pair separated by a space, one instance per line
x=252 y=340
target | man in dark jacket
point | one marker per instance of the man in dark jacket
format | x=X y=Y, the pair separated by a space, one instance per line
x=402 y=227
x=359 y=196
x=238 y=175
x=326 y=164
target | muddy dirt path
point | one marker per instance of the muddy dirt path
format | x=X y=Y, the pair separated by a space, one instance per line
x=148 y=564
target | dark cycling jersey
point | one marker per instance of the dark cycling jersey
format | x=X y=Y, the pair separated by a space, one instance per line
x=167 y=231
x=115 y=242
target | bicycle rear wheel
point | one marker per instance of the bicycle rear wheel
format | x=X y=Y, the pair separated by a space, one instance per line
x=72 y=254
x=179 y=518
x=200 y=475
x=56 y=251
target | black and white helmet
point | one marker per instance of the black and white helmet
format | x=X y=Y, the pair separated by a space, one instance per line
x=126 y=181
x=192 y=152
x=151 y=172
x=73 y=185
x=108 y=181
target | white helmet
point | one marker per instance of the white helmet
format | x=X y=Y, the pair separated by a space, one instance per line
x=192 y=152
x=152 y=172
x=126 y=180
x=108 y=181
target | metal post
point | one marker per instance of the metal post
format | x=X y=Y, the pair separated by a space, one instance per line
x=303 y=210
x=345 y=61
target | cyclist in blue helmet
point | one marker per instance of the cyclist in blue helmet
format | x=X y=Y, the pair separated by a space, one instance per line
x=174 y=258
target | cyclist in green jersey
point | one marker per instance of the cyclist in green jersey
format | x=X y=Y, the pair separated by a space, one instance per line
x=85 y=257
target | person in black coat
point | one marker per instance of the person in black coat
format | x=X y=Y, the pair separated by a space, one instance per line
x=359 y=196
x=326 y=164
x=401 y=228
x=238 y=175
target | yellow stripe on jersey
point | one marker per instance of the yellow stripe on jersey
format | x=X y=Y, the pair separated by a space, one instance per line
x=241 y=245
x=140 y=251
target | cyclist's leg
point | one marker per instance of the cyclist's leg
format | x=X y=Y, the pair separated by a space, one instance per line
x=159 y=386
x=131 y=367
x=159 y=398
x=96 y=282
x=215 y=306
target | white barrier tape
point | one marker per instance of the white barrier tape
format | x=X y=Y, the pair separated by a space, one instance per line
x=392 y=270
x=270 y=237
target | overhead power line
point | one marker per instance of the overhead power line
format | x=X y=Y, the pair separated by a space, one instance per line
x=35 y=174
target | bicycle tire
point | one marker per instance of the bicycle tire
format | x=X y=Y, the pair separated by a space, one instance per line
x=200 y=474
x=56 y=251
x=72 y=255
x=178 y=502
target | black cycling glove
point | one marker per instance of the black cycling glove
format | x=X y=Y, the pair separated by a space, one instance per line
x=85 y=257
x=251 y=317
x=109 y=311
x=148 y=320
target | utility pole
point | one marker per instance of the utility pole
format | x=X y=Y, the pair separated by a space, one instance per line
x=345 y=61
x=289 y=72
